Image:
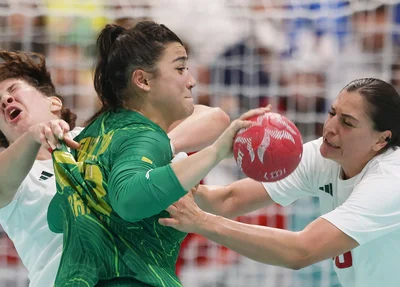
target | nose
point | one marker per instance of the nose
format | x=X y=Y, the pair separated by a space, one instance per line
x=191 y=83
x=6 y=100
x=330 y=126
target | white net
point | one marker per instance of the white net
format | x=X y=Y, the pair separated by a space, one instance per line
x=296 y=55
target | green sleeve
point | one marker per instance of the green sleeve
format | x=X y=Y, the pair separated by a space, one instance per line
x=142 y=182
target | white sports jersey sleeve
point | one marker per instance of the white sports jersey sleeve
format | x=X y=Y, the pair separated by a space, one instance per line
x=301 y=183
x=372 y=210
x=365 y=207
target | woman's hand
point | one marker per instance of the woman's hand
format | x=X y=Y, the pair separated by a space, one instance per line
x=224 y=143
x=49 y=134
x=186 y=216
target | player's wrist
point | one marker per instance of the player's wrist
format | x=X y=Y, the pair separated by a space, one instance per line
x=207 y=224
x=32 y=136
x=214 y=151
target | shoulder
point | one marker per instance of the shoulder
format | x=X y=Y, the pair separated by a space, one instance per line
x=140 y=133
x=147 y=144
x=147 y=141
x=120 y=125
x=381 y=177
x=386 y=165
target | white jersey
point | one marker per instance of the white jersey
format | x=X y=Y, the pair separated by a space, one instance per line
x=365 y=207
x=24 y=220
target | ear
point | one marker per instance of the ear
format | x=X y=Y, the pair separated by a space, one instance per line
x=55 y=104
x=382 y=140
x=140 y=79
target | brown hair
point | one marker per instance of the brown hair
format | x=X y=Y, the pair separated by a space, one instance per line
x=31 y=68
x=122 y=51
x=382 y=106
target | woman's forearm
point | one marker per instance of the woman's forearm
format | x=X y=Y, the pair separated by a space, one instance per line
x=267 y=245
x=199 y=130
x=15 y=163
x=191 y=170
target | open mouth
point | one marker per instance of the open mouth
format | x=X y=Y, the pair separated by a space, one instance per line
x=14 y=113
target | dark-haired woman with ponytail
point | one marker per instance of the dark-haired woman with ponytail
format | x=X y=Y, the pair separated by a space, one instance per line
x=114 y=188
x=32 y=120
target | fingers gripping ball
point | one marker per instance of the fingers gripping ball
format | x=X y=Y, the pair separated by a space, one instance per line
x=270 y=149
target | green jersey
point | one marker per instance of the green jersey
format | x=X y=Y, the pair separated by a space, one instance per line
x=110 y=194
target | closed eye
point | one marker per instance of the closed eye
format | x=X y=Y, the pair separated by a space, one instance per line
x=181 y=70
x=11 y=89
x=347 y=123
x=343 y=120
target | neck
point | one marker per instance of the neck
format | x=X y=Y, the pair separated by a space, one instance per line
x=350 y=170
x=155 y=115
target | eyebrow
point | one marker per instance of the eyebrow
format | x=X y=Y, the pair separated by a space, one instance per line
x=183 y=58
x=11 y=88
x=346 y=115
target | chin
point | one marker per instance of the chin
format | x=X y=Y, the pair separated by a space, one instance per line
x=329 y=155
x=324 y=152
x=191 y=109
x=188 y=110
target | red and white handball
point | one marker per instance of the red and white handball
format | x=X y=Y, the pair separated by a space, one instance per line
x=270 y=149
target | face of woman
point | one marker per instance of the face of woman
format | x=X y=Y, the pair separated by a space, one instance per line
x=171 y=90
x=22 y=106
x=349 y=137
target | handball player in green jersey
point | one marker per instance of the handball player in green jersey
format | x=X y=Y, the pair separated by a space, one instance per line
x=114 y=188
x=31 y=112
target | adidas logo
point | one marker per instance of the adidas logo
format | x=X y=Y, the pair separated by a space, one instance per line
x=45 y=175
x=327 y=188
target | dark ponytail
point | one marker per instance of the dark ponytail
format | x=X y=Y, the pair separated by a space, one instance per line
x=102 y=84
x=122 y=51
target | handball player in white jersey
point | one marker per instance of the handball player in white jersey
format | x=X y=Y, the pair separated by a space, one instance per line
x=354 y=170
x=32 y=117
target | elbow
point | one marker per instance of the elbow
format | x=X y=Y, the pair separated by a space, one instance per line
x=132 y=210
x=220 y=117
x=127 y=212
x=219 y=202
x=300 y=257
x=230 y=208
x=296 y=265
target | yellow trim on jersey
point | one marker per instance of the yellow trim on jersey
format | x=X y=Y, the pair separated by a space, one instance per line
x=145 y=159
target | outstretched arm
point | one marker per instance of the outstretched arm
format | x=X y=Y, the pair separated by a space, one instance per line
x=17 y=160
x=238 y=198
x=199 y=130
x=320 y=240
x=140 y=165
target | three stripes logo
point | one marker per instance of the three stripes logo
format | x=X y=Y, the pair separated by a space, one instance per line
x=327 y=188
x=45 y=175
